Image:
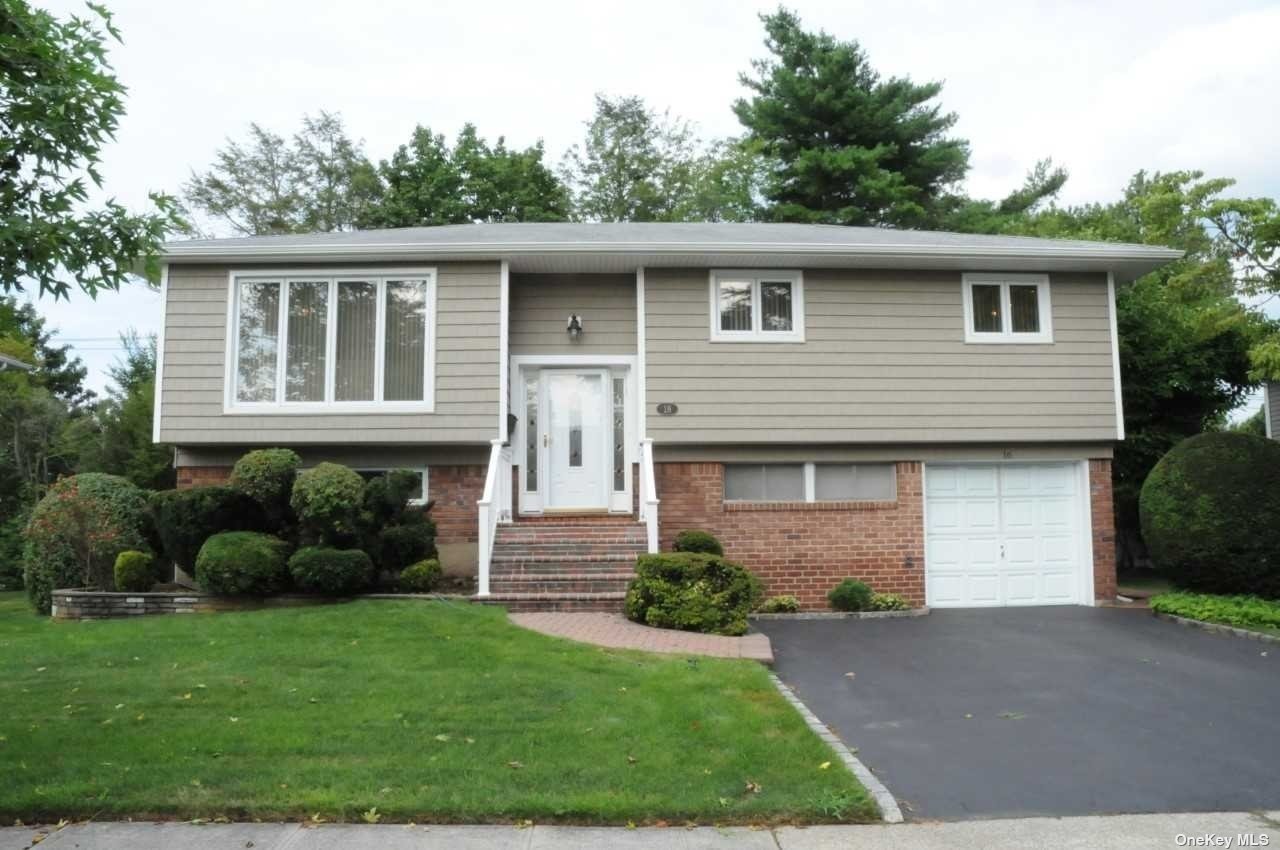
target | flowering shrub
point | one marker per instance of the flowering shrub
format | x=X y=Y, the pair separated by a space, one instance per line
x=76 y=532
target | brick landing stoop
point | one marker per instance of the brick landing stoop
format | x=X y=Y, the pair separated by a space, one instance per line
x=579 y=563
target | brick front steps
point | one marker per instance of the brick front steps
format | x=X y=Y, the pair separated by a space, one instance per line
x=579 y=563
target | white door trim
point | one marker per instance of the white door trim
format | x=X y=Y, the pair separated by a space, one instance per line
x=1085 y=581
x=619 y=365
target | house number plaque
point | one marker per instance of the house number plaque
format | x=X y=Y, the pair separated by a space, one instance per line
x=667 y=409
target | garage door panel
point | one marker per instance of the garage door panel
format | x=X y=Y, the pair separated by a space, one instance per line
x=1003 y=534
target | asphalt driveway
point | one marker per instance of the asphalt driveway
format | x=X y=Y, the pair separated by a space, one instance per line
x=1044 y=711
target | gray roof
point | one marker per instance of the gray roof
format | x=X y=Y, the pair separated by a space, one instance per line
x=621 y=246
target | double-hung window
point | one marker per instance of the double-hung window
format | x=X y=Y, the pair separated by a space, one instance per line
x=350 y=341
x=1007 y=308
x=757 y=306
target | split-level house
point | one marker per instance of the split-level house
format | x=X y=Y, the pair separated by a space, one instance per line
x=932 y=413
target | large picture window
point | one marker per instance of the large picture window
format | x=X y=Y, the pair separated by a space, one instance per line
x=1007 y=308
x=352 y=341
x=757 y=306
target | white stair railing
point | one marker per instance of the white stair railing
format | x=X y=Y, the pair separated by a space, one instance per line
x=495 y=506
x=648 y=494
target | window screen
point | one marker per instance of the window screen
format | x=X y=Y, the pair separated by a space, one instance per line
x=853 y=482
x=764 y=482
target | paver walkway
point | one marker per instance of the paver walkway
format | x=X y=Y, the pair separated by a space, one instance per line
x=617 y=632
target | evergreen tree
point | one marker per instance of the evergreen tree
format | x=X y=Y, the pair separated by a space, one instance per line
x=847 y=146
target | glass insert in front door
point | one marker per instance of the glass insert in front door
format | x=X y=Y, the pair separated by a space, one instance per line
x=577 y=461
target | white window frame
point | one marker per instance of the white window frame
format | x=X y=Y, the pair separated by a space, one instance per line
x=422 y=470
x=1006 y=335
x=755 y=277
x=333 y=277
x=810 y=482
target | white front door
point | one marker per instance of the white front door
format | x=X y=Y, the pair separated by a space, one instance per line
x=1004 y=534
x=577 y=439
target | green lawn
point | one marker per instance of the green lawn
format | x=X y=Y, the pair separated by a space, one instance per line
x=427 y=711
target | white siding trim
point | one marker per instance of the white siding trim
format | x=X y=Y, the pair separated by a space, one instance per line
x=1115 y=355
x=504 y=333
x=164 y=318
x=1007 y=336
x=642 y=410
x=1266 y=409
x=232 y=407
x=1086 y=534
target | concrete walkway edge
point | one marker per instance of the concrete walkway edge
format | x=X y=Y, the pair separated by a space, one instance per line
x=889 y=809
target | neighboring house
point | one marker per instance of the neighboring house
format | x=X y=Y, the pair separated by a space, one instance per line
x=933 y=413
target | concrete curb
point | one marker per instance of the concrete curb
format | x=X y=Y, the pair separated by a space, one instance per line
x=842 y=615
x=889 y=809
x=1217 y=628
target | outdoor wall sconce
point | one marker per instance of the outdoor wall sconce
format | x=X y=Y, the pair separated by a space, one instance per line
x=575 y=326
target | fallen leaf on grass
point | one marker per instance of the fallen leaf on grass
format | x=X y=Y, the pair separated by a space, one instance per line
x=514 y=765
x=824 y=766
x=753 y=787
x=631 y=759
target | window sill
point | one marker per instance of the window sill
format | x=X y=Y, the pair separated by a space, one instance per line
x=769 y=338
x=747 y=507
x=1008 y=339
x=323 y=409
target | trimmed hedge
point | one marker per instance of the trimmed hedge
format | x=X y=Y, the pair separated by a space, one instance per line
x=850 y=595
x=1210 y=510
x=1245 y=612
x=135 y=571
x=402 y=545
x=422 y=577
x=888 y=602
x=697 y=540
x=779 y=605
x=692 y=592
x=185 y=519
x=243 y=563
x=77 y=530
x=267 y=476
x=327 y=499
x=319 y=569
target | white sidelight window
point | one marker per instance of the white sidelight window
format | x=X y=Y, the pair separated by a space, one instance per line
x=757 y=306
x=316 y=343
x=1007 y=308
x=810 y=482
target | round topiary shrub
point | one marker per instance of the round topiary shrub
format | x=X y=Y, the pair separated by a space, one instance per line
x=185 y=519
x=243 y=563
x=697 y=540
x=327 y=500
x=135 y=571
x=76 y=532
x=1210 y=511
x=422 y=577
x=850 y=595
x=692 y=592
x=402 y=545
x=320 y=569
x=267 y=476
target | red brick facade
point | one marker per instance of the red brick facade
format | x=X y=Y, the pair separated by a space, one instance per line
x=1104 y=529
x=455 y=490
x=199 y=476
x=803 y=549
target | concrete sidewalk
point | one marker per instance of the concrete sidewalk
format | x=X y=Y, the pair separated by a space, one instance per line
x=1130 y=832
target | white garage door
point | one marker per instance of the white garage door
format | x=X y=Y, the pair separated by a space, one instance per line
x=1004 y=534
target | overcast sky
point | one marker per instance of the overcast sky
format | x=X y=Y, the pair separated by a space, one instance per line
x=1103 y=88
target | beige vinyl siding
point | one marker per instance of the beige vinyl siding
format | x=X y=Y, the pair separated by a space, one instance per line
x=542 y=303
x=884 y=361
x=466 y=369
x=858 y=453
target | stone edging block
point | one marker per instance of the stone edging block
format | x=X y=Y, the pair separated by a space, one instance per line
x=1218 y=628
x=889 y=809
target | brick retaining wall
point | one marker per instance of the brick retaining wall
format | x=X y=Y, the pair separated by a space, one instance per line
x=100 y=605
